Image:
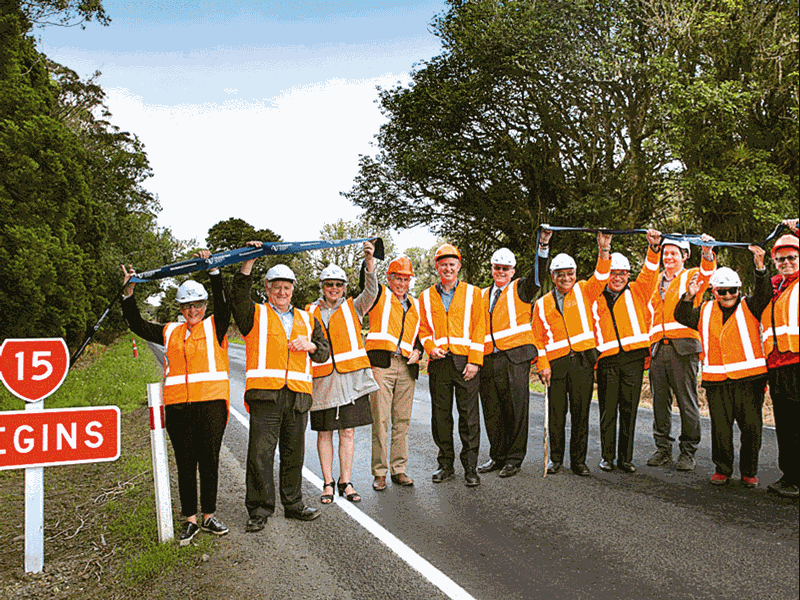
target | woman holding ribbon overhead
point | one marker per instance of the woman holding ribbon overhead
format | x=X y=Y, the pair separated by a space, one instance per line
x=343 y=383
x=196 y=390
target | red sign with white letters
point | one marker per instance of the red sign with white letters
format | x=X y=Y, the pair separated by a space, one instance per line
x=41 y=438
x=32 y=369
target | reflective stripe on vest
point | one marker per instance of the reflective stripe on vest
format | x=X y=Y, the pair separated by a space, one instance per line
x=461 y=344
x=784 y=315
x=347 y=347
x=547 y=308
x=270 y=364
x=510 y=332
x=627 y=322
x=202 y=373
x=384 y=332
x=732 y=350
x=662 y=327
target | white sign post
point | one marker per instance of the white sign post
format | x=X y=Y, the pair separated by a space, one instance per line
x=34 y=511
x=158 y=447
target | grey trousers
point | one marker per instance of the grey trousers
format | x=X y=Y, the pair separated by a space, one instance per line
x=674 y=375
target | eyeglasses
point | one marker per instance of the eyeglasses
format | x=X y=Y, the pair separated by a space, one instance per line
x=503 y=268
x=333 y=284
x=727 y=291
x=196 y=305
x=790 y=258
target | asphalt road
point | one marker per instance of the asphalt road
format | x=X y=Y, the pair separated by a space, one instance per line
x=657 y=533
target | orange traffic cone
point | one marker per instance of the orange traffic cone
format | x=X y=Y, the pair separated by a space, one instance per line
x=135 y=351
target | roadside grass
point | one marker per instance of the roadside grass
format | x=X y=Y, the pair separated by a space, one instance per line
x=101 y=538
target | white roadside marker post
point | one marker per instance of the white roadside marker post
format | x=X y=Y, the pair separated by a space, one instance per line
x=158 y=447
x=34 y=511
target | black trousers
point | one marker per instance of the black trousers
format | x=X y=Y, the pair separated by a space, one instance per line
x=505 y=400
x=783 y=389
x=195 y=430
x=444 y=378
x=619 y=386
x=739 y=401
x=275 y=424
x=571 y=385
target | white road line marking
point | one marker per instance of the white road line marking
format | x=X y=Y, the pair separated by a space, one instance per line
x=449 y=587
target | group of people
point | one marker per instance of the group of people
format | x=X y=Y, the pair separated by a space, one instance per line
x=480 y=345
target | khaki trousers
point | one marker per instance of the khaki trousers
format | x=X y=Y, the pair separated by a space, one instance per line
x=392 y=402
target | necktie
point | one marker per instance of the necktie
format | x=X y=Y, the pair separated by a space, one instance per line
x=495 y=296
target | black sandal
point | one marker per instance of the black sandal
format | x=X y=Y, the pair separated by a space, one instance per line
x=354 y=497
x=328 y=498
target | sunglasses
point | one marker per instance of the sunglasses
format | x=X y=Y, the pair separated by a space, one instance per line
x=727 y=291
x=333 y=284
x=791 y=258
x=197 y=305
x=503 y=268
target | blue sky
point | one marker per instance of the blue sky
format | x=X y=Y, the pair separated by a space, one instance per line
x=251 y=109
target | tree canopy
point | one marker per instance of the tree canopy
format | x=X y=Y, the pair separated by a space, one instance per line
x=677 y=114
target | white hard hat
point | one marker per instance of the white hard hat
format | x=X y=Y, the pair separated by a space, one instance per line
x=191 y=291
x=332 y=272
x=280 y=272
x=682 y=244
x=619 y=262
x=562 y=261
x=504 y=256
x=725 y=277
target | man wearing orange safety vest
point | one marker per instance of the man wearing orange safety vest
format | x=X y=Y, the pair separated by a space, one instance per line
x=508 y=352
x=621 y=329
x=564 y=337
x=779 y=327
x=280 y=342
x=452 y=331
x=393 y=347
x=734 y=367
x=675 y=352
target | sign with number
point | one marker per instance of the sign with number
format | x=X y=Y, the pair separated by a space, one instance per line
x=32 y=369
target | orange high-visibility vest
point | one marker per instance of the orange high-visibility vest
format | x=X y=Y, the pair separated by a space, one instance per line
x=557 y=334
x=509 y=324
x=779 y=322
x=460 y=330
x=344 y=334
x=630 y=314
x=662 y=312
x=196 y=367
x=270 y=363
x=732 y=350
x=387 y=319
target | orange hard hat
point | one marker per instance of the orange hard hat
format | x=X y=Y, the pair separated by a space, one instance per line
x=785 y=241
x=401 y=266
x=446 y=251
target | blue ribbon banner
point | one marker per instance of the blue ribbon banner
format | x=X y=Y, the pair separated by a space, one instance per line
x=240 y=255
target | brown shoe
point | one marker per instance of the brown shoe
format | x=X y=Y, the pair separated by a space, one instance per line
x=402 y=479
x=379 y=483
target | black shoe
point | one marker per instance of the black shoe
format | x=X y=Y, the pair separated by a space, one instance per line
x=442 y=473
x=581 y=469
x=187 y=533
x=256 y=523
x=626 y=467
x=471 y=478
x=304 y=513
x=553 y=467
x=213 y=525
x=606 y=465
x=509 y=470
x=489 y=466
x=784 y=488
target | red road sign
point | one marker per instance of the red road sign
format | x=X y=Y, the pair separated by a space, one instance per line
x=32 y=369
x=41 y=438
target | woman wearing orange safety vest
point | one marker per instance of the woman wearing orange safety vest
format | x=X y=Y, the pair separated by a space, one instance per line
x=621 y=329
x=343 y=383
x=196 y=391
x=734 y=367
x=779 y=334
